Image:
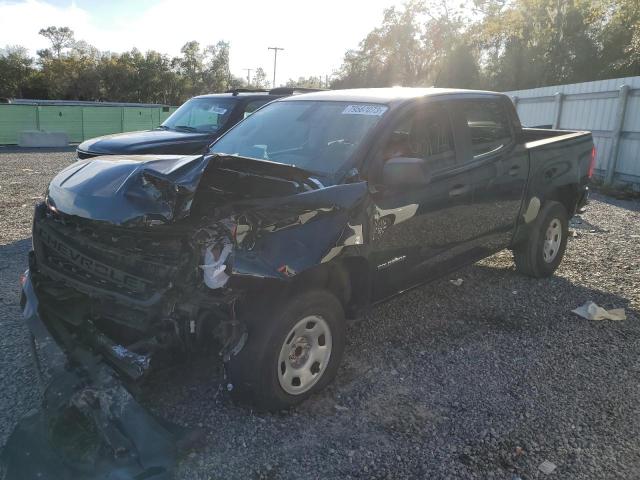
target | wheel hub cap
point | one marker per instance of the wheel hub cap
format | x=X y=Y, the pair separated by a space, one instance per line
x=304 y=355
x=299 y=354
x=552 y=240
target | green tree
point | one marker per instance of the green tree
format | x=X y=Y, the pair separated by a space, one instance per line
x=530 y=43
x=260 y=78
x=619 y=36
x=305 y=82
x=216 y=75
x=191 y=67
x=16 y=67
x=421 y=44
x=60 y=38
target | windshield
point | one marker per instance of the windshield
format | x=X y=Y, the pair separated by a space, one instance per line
x=319 y=136
x=200 y=115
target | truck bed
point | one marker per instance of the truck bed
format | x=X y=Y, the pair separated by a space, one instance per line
x=537 y=134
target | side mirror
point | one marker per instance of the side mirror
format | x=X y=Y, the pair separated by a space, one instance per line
x=404 y=172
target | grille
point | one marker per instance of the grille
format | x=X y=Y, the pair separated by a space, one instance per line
x=129 y=264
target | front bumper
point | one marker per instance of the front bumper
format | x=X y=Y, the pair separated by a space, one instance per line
x=89 y=426
x=55 y=340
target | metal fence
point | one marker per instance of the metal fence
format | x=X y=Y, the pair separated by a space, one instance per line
x=79 y=121
x=610 y=109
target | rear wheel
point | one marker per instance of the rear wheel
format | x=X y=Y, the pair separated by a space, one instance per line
x=543 y=251
x=290 y=353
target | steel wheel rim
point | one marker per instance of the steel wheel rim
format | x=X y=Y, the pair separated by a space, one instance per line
x=552 y=240
x=304 y=355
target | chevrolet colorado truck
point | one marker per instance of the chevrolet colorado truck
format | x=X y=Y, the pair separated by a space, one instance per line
x=306 y=213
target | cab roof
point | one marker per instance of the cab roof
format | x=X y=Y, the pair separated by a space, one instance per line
x=261 y=92
x=388 y=96
x=238 y=94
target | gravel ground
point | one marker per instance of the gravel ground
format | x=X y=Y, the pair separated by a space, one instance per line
x=483 y=380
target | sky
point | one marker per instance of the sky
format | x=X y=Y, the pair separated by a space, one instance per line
x=314 y=37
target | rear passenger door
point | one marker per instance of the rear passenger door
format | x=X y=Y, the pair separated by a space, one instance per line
x=497 y=168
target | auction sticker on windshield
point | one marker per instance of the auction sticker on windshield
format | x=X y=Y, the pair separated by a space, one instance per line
x=375 y=110
x=218 y=110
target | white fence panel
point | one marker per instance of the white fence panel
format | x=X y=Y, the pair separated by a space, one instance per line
x=610 y=109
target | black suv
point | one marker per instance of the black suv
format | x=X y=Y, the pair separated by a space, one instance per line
x=191 y=128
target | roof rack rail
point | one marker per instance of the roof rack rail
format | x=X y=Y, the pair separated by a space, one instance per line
x=294 y=90
x=236 y=91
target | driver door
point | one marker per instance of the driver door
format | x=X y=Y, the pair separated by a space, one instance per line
x=421 y=231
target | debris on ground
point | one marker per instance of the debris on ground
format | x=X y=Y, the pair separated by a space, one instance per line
x=89 y=426
x=591 y=311
x=457 y=282
x=547 y=467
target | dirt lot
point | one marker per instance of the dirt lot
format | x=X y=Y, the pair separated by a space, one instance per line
x=483 y=380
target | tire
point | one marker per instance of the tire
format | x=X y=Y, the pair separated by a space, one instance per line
x=543 y=251
x=302 y=338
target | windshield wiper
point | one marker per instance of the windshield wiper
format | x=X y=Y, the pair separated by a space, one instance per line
x=186 y=127
x=162 y=127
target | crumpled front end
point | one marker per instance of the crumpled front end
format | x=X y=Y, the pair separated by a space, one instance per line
x=130 y=293
x=142 y=259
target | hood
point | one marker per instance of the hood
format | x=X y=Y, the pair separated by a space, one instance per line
x=158 y=189
x=150 y=141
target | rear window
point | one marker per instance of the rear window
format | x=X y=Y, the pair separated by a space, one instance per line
x=488 y=126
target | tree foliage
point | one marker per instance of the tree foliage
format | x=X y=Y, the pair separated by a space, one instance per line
x=306 y=82
x=260 y=79
x=492 y=44
x=75 y=70
x=497 y=44
x=60 y=38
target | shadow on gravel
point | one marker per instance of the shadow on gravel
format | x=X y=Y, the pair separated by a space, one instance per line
x=14 y=249
x=13 y=261
x=627 y=204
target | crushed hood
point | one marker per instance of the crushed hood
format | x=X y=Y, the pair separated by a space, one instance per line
x=148 y=189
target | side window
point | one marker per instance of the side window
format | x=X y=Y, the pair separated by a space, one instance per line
x=251 y=107
x=488 y=125
x=425 y=133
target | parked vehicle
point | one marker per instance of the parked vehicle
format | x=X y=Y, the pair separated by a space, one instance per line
x=308 y=212
x=191 y=128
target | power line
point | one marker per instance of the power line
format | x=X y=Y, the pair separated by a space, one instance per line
x=275 y=59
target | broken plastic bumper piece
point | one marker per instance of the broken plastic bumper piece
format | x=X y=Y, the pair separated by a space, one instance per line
x=89 y=425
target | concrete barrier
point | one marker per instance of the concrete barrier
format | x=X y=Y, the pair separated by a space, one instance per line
x=37 y=138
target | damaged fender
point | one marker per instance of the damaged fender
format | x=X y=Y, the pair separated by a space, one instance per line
x=273 y=244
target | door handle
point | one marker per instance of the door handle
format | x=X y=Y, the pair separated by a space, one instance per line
x=513 y=171
x=458 y=190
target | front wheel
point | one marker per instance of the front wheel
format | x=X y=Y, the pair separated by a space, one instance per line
x=290 y=353
x=543 y=251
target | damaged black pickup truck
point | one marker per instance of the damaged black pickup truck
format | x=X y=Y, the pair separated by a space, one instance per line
x=306 y=213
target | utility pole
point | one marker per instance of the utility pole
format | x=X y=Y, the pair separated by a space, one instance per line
x=248 y=76
x=275 y=60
